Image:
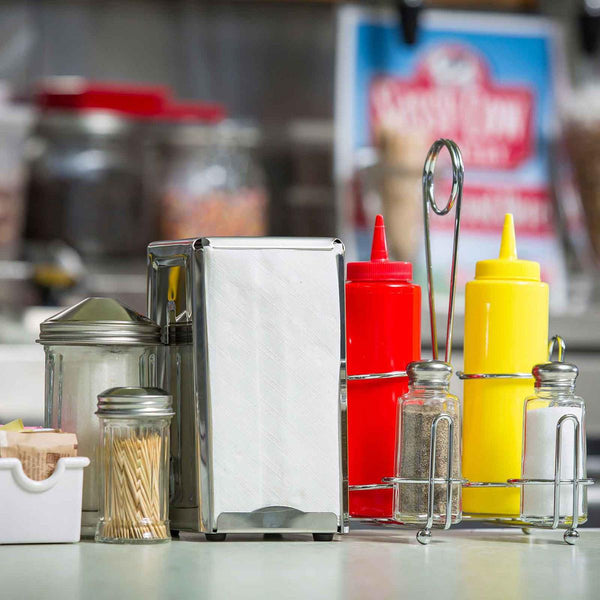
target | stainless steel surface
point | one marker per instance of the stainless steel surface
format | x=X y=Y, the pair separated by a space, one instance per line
x=99 y=321
x=177 y=295
x=458 y=172
x=277 y=519
x=121 y=402
x=175 y=292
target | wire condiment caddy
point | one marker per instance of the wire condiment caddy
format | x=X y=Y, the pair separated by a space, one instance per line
x=439 y=511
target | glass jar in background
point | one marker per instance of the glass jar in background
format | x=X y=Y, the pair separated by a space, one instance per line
x=213 y=185
x=92 y=346
x=426 y=408
x=554 y=401
x=88 y=174
x=134 y=465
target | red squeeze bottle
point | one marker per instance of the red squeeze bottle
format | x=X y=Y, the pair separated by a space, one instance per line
x=383 y=334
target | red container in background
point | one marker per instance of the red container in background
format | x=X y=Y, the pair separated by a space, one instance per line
x=383 y=328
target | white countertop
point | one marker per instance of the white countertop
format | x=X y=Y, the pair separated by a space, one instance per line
x=365 y=564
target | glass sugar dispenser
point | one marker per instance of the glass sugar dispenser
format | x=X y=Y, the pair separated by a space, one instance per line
x=134 y=465
x=428 y=490
x=94 y=345
x=554 y=484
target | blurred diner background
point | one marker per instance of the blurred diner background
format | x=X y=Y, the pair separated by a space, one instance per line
x=128 y=121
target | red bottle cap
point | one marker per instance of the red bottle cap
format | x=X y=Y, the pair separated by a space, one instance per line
x=379 y=267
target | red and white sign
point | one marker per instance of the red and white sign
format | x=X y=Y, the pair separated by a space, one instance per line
x=452 y=95
x=484 y=207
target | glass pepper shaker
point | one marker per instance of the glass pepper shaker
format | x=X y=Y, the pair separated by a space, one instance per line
x=428 y=446
x=134 y=465
x=553 y=441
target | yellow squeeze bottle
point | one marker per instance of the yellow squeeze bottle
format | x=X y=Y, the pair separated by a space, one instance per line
x=506 y=331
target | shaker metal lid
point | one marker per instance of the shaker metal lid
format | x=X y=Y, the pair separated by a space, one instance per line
x=95 y=321
x=134 y=402
x=555 y=373
x=429 y=371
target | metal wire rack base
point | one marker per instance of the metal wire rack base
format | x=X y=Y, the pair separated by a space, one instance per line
x=424 y=535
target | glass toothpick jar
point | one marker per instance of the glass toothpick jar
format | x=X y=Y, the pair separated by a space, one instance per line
x=554 y=444
x=94 y=345
x=428 y=450
x=134 y=465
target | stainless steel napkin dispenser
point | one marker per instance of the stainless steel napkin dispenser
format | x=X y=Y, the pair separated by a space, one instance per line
x=256 y=367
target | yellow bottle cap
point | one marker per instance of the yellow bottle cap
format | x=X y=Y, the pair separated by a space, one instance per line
x=508 y=265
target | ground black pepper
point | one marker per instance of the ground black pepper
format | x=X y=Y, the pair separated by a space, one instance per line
x=411 y=498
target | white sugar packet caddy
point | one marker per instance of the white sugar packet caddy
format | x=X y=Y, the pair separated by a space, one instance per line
x=47 y=511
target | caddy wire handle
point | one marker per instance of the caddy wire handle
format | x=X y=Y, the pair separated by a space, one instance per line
x=458 y=173
x=424 y=535
x=558 y=342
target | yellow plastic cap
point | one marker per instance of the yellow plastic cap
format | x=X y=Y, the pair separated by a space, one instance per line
x=508 y=265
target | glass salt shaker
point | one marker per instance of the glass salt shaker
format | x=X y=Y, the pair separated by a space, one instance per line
x=554 y=432
x=134 y=465
x=428 y=446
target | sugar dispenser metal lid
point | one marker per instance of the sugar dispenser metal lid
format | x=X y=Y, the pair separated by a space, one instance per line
x=124 y=402
x=99 y=321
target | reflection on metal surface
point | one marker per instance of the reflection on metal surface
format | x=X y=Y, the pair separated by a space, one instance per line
x=277 y=519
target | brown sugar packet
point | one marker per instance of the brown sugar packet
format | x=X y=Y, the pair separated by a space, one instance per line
x=38 y=451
